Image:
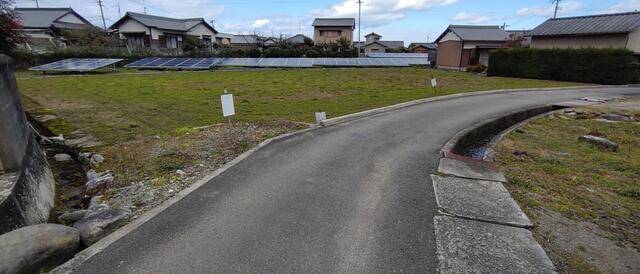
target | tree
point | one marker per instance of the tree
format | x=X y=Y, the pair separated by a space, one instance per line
x=10 y=34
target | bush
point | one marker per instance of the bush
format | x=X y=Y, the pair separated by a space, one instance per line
x=600 y=66
x=479 y=68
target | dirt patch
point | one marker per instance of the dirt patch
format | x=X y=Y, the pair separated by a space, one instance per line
x=583 y=243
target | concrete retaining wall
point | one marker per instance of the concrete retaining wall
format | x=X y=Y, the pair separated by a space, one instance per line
x=27 y=187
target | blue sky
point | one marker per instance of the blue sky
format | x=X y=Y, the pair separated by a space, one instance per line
x=407 y=20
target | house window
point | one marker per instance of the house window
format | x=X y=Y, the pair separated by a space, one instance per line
x=206 y=40
x=321 y=33
x=339 y=33
x=172 y=42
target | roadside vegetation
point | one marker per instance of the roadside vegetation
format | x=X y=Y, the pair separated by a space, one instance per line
x=584 y=200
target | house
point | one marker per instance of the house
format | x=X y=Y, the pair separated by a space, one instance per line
x=298 y=39
x=224 y=39
x=460 y=46
x=373 y=43
x=163 y=33
x=44 y=26
x=246 y=41
x=619 y=30
x=430 y=48
x=330 y=30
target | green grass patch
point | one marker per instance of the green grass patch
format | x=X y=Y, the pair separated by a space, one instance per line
x=118 y=107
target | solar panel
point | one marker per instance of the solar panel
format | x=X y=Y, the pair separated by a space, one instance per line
x=306 y=62
x=397 y=55
x=142 y=62
x=77 y=64
x=189 y=63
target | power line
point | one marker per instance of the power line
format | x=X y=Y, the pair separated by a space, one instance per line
x=104 y=23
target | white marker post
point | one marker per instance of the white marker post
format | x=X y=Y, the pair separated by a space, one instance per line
x=320 y=117
x=434 y=85
x=227 y=106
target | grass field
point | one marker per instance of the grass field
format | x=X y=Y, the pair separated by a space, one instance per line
x=550 y=170
x=119 y=107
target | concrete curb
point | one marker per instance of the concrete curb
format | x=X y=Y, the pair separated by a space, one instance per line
x=450 y=256
x=96 y=248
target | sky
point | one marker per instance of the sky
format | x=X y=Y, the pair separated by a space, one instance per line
x=406 y=20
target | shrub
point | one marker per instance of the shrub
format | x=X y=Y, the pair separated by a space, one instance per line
x=601 y=66
x=479 y=68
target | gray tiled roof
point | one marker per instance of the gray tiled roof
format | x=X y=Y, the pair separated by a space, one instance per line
x=244 y=39
x=424 y=44
x=164 y=22
x=40 y=17
x=479 y=33
x=297 y=39
x=594 y=24
x=334 y=22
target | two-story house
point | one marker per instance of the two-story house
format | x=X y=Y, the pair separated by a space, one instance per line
x=330 y=30
x=156 y=32
x=373 y=44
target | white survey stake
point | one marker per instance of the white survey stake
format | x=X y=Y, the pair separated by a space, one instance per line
x=227 y=105
x=434 y=83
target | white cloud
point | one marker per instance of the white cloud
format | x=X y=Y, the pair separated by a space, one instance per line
x=471 y=18
x=624 y=6
x=568 y=7
x=379 y=12
x=261 y=23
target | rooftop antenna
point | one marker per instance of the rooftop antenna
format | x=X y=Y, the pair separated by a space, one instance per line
x=504 y=26
x=104 y=23
x=37 y=4
x=144 y=6
x=212 y=22
x=359 y=24
x=555 y=12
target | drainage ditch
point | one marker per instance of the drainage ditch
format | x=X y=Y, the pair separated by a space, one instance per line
x=477 y=143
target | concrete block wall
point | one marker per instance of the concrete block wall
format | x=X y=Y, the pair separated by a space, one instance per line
x=27 y=187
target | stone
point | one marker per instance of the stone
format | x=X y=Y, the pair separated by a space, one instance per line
x=615 y=117
x=63 y=157
x=73 y=216
x=464 y=246
x=98 y=182
x=32 y=249
x=569 y=110
x=46 y=118
x=96 y=226
x=469 y=170
x=96 y=204
x=180 y=172
x=96 y=160
x=479 y=200
x=85 y=158
x=600 y=142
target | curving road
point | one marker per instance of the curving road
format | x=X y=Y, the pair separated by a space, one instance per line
x=354 y=197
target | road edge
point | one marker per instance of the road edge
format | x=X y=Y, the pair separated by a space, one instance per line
x=105 y=242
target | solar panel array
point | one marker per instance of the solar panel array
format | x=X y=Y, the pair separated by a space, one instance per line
x=206 y=63
x=177 y=63
x=77 y=64
x=397 y=55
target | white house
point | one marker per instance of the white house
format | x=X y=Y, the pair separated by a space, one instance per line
x=156 y=32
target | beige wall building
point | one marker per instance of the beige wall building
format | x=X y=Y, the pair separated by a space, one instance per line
x=330 y=30
x=621 y=30
x=461 y=46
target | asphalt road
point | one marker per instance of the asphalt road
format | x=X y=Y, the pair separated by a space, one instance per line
x=354 y=197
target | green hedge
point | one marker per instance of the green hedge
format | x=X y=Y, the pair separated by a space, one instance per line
x=600 y=66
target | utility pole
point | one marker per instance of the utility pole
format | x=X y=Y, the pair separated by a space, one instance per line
x=555 y=12
x=37 y=4
x=359 y=25
x=104 y=23
x=144 y=5
x=119 y=13
x=299 y=25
